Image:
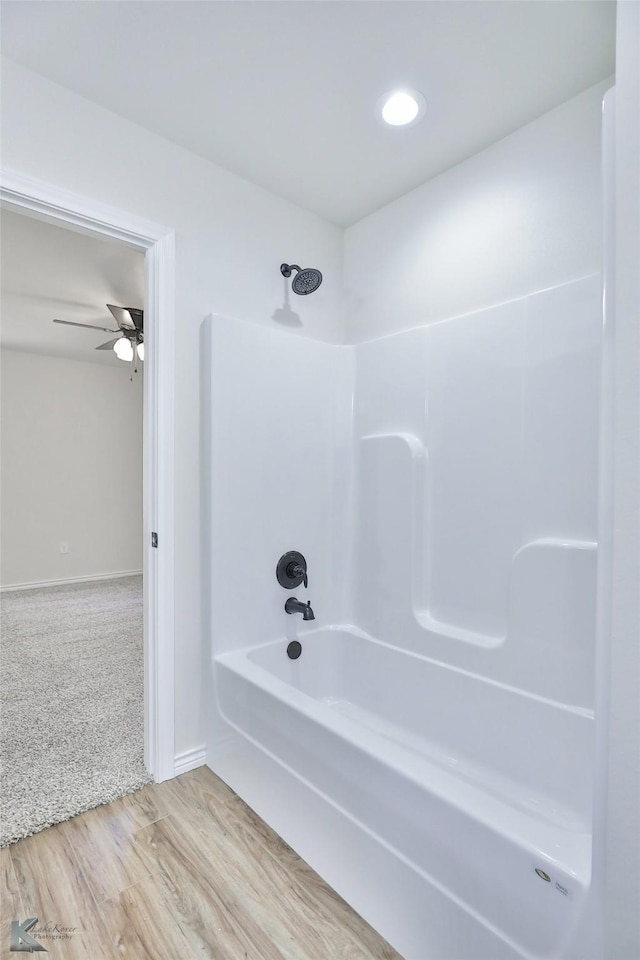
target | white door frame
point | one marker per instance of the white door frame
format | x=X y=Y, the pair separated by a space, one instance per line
x=85 y=215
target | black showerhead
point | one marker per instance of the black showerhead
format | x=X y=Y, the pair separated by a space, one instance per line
x=306 y=281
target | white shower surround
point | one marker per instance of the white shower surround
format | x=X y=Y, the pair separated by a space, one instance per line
x=434 y=745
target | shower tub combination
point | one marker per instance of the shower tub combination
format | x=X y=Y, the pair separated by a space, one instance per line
x=432 y=750
x=416 y=753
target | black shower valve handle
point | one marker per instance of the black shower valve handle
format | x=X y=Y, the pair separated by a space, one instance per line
x=298 y=571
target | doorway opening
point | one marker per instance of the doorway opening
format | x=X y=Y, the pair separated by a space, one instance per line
x=155 y=243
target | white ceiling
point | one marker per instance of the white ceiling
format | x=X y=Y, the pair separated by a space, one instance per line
x=283 y=93
x=48 y=272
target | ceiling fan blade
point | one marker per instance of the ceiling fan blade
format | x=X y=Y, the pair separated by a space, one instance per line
x=109 y=344
x=137 y=316
x=122 y=317
x=89 y=326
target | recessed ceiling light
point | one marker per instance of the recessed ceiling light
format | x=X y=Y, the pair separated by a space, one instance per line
x=402 y=108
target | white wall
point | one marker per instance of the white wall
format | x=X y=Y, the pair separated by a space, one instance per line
x=277 y=429
x=477 y=491
x=71 y=468
x=231 y=238
x=521 y=216
x=622 y=891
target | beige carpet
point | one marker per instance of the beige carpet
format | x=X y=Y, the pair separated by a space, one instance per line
x=71 y=701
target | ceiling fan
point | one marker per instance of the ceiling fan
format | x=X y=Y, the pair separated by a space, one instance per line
x=130 y=344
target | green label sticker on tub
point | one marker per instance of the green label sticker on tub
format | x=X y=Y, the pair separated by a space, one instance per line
x=542 y=874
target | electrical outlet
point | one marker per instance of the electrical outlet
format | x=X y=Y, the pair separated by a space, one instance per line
x=64 y=546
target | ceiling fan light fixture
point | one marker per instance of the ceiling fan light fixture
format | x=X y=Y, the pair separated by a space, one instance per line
x=129 y=345
x=123 y=349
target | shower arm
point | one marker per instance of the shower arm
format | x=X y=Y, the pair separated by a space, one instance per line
x=286 y=269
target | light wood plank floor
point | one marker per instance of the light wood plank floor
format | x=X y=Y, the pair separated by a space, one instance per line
x=179 y=870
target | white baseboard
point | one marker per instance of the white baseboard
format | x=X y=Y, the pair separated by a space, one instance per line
x=190 y=759
x=61 y=583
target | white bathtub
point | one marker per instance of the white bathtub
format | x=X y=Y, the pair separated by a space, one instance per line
x=475 y=784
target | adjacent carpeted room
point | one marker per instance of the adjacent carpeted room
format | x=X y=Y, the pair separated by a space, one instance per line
x=72 y=701
x=71 y=517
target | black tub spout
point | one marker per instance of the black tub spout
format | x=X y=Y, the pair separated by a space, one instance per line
x=298 y=606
